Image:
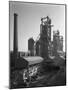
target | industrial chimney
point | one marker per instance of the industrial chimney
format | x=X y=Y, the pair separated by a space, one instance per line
x=15 y=46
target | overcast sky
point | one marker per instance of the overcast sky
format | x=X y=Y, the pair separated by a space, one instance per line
x=29 y=19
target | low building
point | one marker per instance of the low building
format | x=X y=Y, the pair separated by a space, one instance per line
x=28 y=68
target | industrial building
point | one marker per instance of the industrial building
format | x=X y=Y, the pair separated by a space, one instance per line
x=61 y=44
x=42 y=45
x=45 y=36
x=28 y=68
x=37 y=48
x=57 y=42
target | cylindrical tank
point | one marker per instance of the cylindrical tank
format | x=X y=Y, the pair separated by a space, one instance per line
x=31 y=46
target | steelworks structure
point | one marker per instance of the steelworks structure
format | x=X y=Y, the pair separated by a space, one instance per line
x=42 y=45
x=57 y=42
x=45 y=37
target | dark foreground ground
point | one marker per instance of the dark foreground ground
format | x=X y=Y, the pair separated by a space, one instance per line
x=51 y=79
x=51 y=76
x=54 y=76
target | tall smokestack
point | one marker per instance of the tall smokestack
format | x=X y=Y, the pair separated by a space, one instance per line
x=15 y=46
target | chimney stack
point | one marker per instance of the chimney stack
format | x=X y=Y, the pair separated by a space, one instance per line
x=15 y=46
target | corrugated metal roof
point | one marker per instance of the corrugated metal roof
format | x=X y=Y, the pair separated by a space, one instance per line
x=33 y=59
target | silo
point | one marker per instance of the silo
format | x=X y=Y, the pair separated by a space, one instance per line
x=31 y=46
